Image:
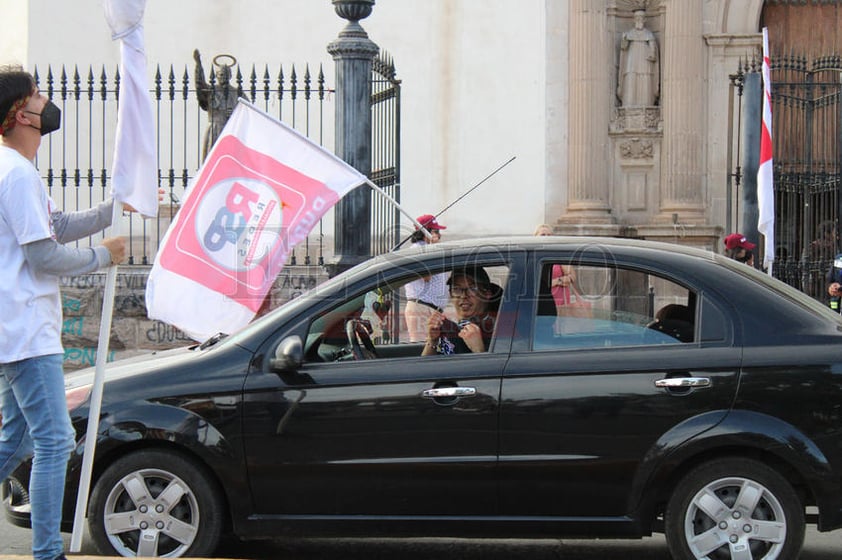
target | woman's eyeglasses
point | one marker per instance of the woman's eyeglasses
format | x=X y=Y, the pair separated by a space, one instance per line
x=463 y=292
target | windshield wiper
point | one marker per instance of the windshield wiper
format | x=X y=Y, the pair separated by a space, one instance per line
x=212 y=340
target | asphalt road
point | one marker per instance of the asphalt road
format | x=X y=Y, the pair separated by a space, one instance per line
x=818 y=546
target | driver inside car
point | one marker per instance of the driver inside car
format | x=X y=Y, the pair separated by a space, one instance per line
x=476 y=301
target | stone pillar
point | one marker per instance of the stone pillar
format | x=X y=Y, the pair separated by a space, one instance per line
x=683 y=109
x=589 y=209
x=353 y=52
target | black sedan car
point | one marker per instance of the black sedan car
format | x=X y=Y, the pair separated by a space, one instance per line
x=671 y=390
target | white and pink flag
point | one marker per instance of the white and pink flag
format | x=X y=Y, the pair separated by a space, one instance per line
x=260 y=191
x=765 y=176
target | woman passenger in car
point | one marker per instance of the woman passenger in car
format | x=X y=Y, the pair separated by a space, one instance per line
x=476 y=300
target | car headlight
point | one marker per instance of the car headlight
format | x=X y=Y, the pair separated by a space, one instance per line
x=76 y=396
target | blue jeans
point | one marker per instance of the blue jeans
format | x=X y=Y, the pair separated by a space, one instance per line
x=35 y=419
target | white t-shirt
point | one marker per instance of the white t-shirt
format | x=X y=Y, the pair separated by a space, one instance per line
x=31 y=303
x=432 y=289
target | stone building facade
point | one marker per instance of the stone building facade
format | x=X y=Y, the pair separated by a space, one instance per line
x=659 y=171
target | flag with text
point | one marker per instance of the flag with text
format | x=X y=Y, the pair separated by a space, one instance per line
x=260 y=191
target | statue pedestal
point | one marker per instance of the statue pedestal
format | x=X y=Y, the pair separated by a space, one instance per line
x=636 y=135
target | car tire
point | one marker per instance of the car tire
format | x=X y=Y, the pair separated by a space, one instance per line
x=155 y=503
x=708 y=514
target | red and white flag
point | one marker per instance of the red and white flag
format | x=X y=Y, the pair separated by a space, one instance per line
x=260 y=191
x=765 y=178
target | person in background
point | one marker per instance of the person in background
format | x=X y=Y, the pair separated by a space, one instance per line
x=428 y=294
x=834 y=288
x=739 y=248
x=543 y=230
x=32 y=400
x=817 y=260
x=476 y=301
x=561 y=278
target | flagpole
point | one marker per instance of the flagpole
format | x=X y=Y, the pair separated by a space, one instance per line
x=396 y=205
x=96 y=400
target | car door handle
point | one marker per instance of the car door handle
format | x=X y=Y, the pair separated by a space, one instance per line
x=445 y=392
x=683 y=382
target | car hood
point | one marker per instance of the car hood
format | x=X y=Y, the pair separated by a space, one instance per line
x=134 y=366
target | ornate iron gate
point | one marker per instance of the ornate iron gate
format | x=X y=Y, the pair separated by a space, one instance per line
x=385 y=153
x=806 y=124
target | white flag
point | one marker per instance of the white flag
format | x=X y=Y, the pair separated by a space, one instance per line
x=134 y=176
x=260 y=191
x=765 y=176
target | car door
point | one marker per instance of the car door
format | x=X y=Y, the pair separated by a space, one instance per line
x=586 y=411
x=392 y=436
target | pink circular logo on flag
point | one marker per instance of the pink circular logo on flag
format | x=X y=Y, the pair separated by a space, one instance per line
x=239 y=222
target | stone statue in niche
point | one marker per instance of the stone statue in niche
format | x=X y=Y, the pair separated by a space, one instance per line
x=638 y=81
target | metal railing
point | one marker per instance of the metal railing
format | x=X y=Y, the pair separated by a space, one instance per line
x=75 y=162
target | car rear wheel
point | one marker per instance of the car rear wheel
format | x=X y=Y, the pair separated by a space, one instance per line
x=154 y=503
x=734 y=508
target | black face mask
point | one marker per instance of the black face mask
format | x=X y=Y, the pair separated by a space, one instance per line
x=745 y=258
x=50 y=118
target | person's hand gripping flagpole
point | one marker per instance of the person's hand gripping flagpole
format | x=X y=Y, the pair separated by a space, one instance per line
x=134 y=183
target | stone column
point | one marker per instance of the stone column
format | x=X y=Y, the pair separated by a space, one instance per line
x=353 y=52
x=683 y=107
x=589 y=110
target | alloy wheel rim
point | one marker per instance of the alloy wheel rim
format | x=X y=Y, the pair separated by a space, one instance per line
x=151 y=512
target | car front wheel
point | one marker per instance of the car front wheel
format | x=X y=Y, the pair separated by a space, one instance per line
x=734 y=508
x=155 y=503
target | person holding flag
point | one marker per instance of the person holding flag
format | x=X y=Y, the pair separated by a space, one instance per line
x=32 y=258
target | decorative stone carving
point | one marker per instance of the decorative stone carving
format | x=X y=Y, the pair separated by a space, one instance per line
x=636 y=120
x=353 y=10
x=637 y=148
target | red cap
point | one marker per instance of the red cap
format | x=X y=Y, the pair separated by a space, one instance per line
x=738 y=240
x=429 y=222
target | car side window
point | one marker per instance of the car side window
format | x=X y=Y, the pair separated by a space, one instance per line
x=607 y=306
x=381 y=312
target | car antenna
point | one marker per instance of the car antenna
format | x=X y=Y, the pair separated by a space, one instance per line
x=463 y=195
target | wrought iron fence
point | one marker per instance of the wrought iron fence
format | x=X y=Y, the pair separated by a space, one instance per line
x=806 y=125
x=75 y=161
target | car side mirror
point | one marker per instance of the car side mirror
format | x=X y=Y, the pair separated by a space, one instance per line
x=288 y=355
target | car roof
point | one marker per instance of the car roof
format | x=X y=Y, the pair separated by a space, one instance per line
x=479 y=245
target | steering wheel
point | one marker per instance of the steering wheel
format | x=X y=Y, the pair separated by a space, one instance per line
x=357 y=332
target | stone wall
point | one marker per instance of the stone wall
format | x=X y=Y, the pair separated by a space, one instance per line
x=132 y=332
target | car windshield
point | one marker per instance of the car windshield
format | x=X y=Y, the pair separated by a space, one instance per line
x=303 y=300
